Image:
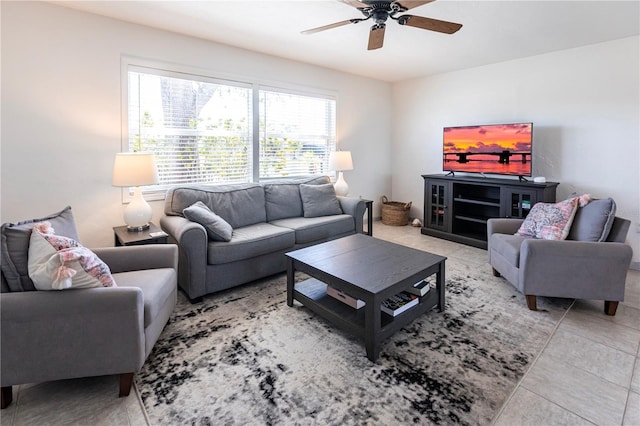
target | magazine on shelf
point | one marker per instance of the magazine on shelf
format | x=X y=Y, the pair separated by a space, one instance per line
x=345 y=298
x=399 y=303
x=420 y=289
x=312 y=288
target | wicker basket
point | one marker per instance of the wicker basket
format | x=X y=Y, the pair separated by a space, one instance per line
x=394 y=212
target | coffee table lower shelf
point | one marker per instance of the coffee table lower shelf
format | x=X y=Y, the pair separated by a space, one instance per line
x=312 y=293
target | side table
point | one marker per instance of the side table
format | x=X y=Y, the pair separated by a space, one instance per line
x=123 y=237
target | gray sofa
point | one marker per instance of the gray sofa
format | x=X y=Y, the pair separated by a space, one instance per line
x=267 y=219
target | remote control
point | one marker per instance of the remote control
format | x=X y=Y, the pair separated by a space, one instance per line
x=157 y=234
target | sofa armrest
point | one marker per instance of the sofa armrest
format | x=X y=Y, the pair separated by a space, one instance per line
x=354 y=207
x=137 y=258
x=575 y=269
x=51 y=335
x=192 y=241
x=503 y=226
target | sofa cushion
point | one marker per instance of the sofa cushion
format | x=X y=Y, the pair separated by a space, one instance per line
x=250 y=241
x=319 y=200
x=593 y=221
x=550 y=221
x=240 y=204
x=15 y=246
x=157 y=286
x=217 y=228
x=308 y=230
x=508 y=246
x=282 y=198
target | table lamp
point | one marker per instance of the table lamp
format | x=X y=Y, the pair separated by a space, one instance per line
x=135 y=169
x=339 y=161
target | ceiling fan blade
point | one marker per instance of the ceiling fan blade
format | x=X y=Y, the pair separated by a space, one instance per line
x=410 y=4
x=355 y=3
x=328 y=27
x=376 y=37
x=429 y=24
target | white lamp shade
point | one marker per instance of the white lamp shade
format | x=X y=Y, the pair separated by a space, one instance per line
x=340 y=160
x=134 y=169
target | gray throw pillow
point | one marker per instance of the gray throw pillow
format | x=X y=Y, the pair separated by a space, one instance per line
x=319 y=200
x=217 y=228
x=593 y=222
x=15 y=246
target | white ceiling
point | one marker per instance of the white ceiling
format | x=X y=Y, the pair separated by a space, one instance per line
x=493 y=31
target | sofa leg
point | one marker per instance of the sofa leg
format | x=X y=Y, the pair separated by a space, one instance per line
x=531 y=302
x=126 y=380
x=6 y=396
x=495 y=273
x=195 y=300
x=610 y=307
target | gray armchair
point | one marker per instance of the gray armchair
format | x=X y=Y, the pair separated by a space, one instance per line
x=565 y=268
x=53 y=335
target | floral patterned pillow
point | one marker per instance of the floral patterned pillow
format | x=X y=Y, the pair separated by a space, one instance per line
x=57 y=263
x=550 y=221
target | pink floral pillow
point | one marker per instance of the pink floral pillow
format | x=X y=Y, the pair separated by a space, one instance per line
x=57 y=263
x=550 y=221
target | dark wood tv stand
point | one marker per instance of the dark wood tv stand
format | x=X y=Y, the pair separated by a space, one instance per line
x=457 y=208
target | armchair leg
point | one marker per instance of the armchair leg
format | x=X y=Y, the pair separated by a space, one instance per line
x=7 y=396
x=495 y=273
x=531 y=302
x=126 y=380
x=610 y=307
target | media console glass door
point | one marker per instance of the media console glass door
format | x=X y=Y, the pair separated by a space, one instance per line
x=438 y=196
x=518 y=202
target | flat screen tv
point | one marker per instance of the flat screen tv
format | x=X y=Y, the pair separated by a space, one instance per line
x=503 y=149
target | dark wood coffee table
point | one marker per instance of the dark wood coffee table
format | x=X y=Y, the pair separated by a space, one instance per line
x=369 y=269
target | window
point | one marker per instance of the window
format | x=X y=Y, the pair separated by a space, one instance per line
x=297 y=133
x=204 y=130
x=200 y=130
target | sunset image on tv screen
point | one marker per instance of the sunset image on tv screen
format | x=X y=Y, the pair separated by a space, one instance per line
x=495 y=148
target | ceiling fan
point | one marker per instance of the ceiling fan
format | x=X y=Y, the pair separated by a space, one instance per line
x=381 y=10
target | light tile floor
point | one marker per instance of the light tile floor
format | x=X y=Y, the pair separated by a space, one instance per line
x=587 y=373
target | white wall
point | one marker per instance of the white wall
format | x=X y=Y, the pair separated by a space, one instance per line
x=584 y=104
x=61 y=111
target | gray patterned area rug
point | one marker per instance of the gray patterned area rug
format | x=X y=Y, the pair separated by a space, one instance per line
x=244 y=357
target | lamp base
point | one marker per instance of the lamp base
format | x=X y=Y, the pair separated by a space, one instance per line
x=139 y=228
x=341 y=186
x=137 y=214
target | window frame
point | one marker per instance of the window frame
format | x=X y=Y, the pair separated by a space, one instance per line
x=136 y=64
